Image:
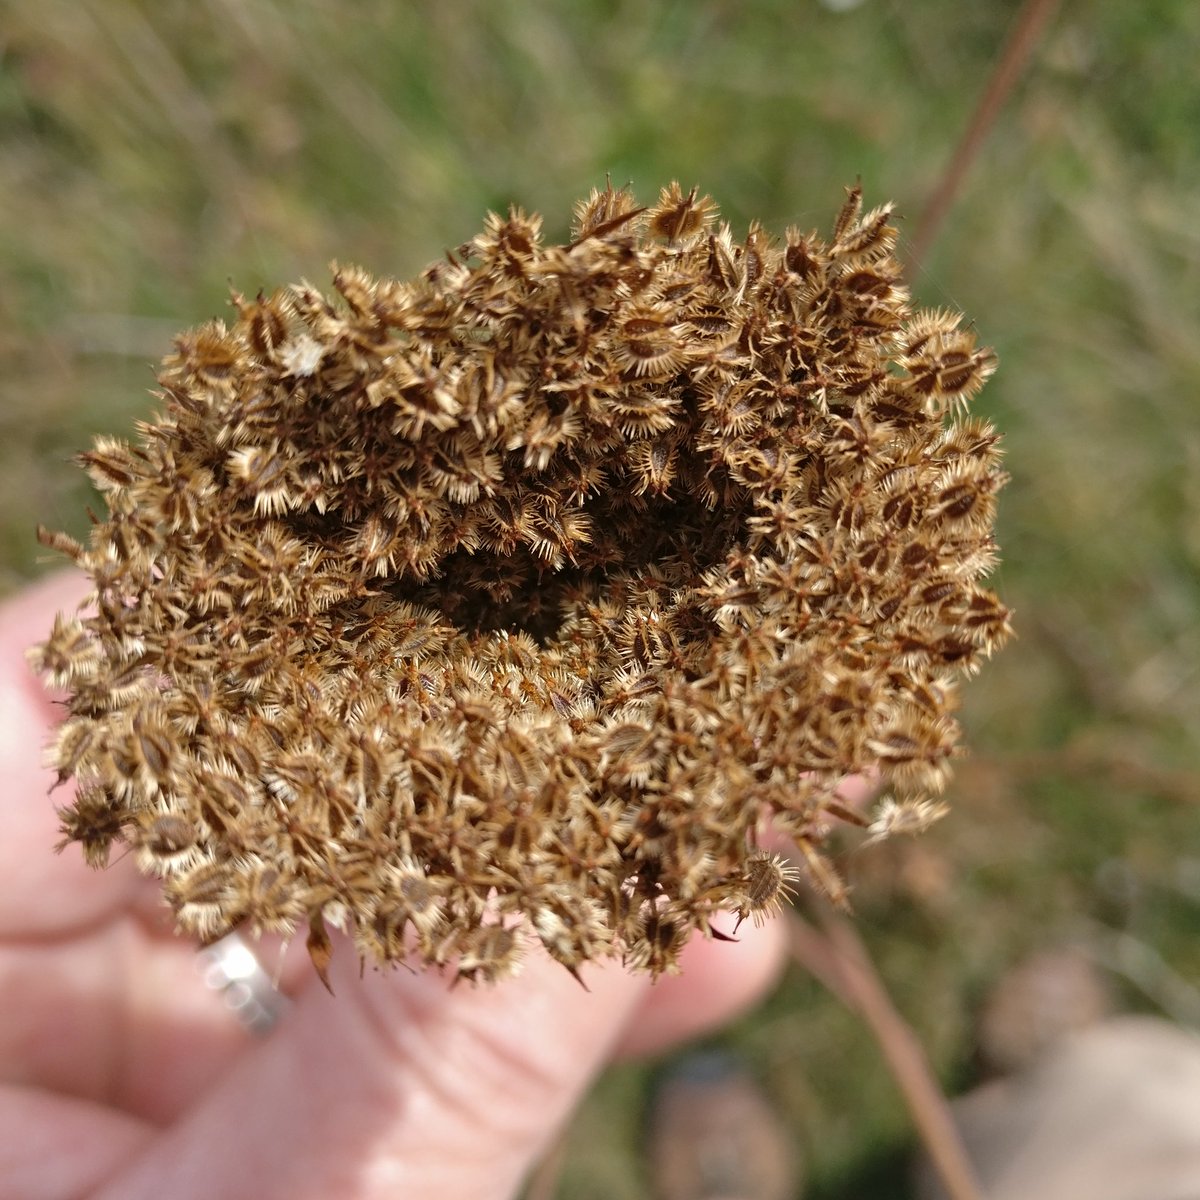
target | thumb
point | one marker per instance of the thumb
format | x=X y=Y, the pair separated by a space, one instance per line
x=402 y=1086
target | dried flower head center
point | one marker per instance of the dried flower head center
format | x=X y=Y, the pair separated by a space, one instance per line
x=520 y=593
x=526 y=589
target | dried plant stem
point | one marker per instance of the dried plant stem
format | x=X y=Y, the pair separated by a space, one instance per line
x=811 y=950
x=840 y=961
x=838 y=958
x=1030 y=22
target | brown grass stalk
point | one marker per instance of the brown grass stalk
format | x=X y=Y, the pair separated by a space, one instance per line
x=838 y=958
x=1027 y=31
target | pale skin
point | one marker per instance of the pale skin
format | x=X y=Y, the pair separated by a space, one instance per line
x=122 y=1077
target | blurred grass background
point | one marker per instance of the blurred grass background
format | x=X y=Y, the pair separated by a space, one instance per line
x=151 y=152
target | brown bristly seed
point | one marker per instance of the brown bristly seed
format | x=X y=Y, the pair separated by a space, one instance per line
x=504 y=603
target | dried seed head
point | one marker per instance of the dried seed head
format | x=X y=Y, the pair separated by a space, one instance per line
x=893 y=817
x=167 y=842
x=412 y=897
x=205 y=898
x=95 y=821
x=489 y=953
x=526 y=588
x=769 y=883
x=70 y=656
x=677 y=216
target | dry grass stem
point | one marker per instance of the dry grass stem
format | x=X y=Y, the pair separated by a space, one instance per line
x=840 y=961
x=1027 y=30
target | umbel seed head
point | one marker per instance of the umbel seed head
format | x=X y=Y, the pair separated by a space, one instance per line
x=510 y=602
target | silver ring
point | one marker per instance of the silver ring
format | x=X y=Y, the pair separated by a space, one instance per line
x=230 y=967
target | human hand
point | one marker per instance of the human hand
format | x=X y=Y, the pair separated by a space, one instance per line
x=123 y=1076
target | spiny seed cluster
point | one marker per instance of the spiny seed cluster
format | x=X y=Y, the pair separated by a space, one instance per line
x=510 y=602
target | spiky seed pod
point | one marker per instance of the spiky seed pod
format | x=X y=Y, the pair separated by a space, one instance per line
x=527 y=589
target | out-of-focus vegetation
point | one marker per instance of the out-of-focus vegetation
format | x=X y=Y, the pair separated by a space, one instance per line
x=150 y=153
